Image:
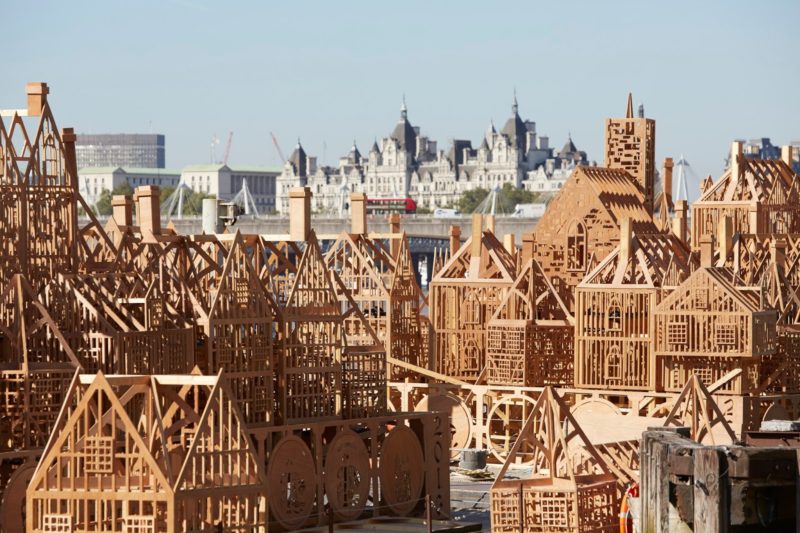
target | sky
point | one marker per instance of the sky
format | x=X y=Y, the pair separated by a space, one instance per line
x=331 y=72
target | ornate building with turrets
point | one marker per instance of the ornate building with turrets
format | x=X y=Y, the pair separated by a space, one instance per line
x=409 y=164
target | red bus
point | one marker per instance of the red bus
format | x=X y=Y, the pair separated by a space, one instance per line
x=383 y=206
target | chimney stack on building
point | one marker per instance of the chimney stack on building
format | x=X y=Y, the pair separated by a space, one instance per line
x=148 y=200
x=725 y=230
x=528 y=242
x=477 y=234
x=736 y=156
x=625 y=241
x=777 y=251
x=358 y=210
x=490 y=222
x=299 y=213
x=707 y=251
x=394 y=229
x=509 y=243
x=37 y=97
x=455 y=240
x=679 y=222
x=122 y=210
x=787 y=155
x=667 y=182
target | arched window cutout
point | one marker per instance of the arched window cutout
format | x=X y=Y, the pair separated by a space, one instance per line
x=613 y=364
x=576 y=246
x=614 y=316
x=471 y=310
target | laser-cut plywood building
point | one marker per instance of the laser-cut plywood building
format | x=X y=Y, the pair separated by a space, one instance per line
x=378 y=276
x=570 y=489
x=711 y=326
x=531 y=334
x=464 y=295
x=581 y=224
x=148 y=454
x=759 y=196
x=614 y=322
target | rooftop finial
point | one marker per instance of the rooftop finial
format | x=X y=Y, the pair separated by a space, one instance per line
x=629 y=112
x=514 y=106
x=403 y=108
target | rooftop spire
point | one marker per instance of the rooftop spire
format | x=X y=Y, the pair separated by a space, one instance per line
x=403 y=108
x=514 y=106
x=629 y=112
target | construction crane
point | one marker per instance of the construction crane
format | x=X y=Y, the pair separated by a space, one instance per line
x=228 y=148
x=214 y=143
x=277 y=147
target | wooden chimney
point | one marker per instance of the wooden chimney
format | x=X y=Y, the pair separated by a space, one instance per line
x=358 y=210
x=299 y=213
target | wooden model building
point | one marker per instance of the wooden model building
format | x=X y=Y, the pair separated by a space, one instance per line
x=294 y=424
x=464 y=295
x=710 y=326
x=570 y=488
x=302 y=351
x=759 y=196
x=380 y=280
x=147 y=454
x=614 y=304
x=530 y=335
x=581 y=225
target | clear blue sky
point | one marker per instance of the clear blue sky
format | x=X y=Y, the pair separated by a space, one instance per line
x=331 y=71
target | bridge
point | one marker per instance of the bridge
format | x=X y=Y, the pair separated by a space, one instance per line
x=413 y=225
x=425 y=233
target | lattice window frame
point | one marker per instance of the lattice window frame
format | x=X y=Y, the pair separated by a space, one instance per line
x=241 y=292
x=725 y=334
x=677 y=333
x=139 y=524
x=56 y=523
x=99 y=454
x=700 y=298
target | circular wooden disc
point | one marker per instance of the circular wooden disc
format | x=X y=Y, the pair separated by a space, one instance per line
x=460 y=419
x=402 y=469
x=12 y=510
x=505 y=425
x=292 y=482
x=347 y=475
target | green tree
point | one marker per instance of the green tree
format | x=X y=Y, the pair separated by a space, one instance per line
x=193 y=202
x=470 y=200
x=165 y=193
x=103 y=204
x=508 y=197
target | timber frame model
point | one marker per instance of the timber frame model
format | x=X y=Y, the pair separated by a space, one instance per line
x=620 y=261
x=570 y=489
x=147 y=454
x=289 y=424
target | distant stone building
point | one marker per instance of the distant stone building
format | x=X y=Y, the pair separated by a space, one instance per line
x=127 y=150
x=225 y=182
x=409 y=164
x=92 y=181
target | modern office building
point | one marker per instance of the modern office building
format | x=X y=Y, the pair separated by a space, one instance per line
x=126 y=150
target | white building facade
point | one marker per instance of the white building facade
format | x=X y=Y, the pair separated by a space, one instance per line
x=408 y=164
x=92 y=181
x=226 y=182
